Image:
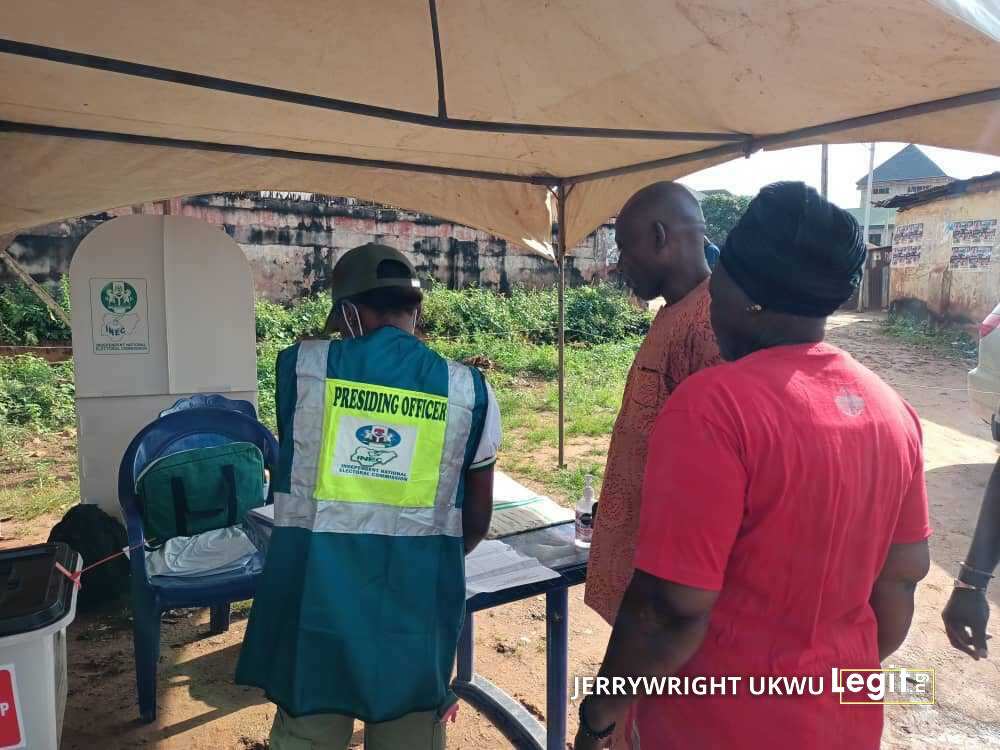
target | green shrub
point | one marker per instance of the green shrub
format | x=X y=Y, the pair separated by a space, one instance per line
x=273 y=321
x=452 y=313
x=35 y=393
x=602 y=314
x=305 y=317
x=308 y=315
x=26 y=321
x=594 y=314
x=267 y=355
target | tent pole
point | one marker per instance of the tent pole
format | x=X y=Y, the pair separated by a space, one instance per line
x=561 y=271
x=6 y=241
x=864 y=232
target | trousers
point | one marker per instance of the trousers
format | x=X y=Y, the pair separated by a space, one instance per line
x=422 y=730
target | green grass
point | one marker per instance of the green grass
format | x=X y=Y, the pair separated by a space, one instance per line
x=45 y=493
x=566 y=483
x=595 y=380
x=241 y=610
x=927 y=334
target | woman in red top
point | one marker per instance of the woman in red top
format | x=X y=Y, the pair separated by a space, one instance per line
x=784 y=515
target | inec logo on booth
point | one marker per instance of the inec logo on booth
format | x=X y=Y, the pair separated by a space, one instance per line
x=119 y=297
x=377 y=442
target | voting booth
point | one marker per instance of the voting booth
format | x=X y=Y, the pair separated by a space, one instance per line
x=162 y=308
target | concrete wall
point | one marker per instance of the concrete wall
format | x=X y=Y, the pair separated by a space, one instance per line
x=293 y=239
x=930 y=264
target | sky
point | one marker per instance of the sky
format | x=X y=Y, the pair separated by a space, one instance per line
x=848 y=163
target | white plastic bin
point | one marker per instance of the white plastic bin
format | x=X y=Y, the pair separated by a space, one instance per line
x=37 y=604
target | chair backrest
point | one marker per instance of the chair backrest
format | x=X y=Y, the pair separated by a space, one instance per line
x=212 y=401
x=189 y=428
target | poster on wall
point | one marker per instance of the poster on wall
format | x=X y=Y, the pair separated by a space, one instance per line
x=907 y=255
x=972 y=244
x=119 y=315
x=908 y=234
x=971 y=256
x=978 y=232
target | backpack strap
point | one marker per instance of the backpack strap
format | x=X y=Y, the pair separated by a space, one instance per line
x=229 y=475
x=180 y=505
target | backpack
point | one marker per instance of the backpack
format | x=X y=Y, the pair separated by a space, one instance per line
x=95 y=535
x=198 y=490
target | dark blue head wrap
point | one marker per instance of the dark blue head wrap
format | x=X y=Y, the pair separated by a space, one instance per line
x=795 y=252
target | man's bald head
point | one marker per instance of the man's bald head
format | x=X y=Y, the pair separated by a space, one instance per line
x=669 y=202
x=660 y=233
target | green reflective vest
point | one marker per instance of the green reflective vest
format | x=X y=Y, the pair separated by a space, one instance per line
x=363 y=593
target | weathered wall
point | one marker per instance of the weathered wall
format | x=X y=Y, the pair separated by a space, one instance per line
x=951 y=267
x=293 y=240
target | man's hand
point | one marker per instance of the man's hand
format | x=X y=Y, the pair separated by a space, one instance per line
x=583 y=742
x=965 y=618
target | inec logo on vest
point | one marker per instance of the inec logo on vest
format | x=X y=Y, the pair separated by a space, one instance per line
x=377 y=442
x=373 y=450
x=381 y=444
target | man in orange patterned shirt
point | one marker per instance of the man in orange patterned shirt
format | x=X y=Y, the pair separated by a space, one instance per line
x=660 y=233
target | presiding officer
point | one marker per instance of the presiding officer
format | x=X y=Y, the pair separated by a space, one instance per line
x=384 y=483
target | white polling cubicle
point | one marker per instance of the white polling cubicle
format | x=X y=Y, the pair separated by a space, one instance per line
x=162 y=307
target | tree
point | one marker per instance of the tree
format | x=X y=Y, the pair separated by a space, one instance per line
x=722 y=211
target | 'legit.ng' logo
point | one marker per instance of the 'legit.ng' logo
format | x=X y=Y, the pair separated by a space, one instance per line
x=896 y=686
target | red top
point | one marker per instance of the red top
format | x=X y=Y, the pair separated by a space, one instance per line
x=780 y=481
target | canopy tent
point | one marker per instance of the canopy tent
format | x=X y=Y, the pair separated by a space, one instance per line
x=480 y=113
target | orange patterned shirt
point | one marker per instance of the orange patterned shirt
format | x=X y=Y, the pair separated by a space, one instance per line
x=679 y=343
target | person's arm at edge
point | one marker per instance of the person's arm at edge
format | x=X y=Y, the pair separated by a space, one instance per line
x=660 y=625
x=892 y=595
x=477 y=507
x=984 y=552
x=477 y=510
x=967 y=612
x=907 y=560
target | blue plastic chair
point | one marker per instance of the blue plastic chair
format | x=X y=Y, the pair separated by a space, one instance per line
x=188 y=428
x=211 y=401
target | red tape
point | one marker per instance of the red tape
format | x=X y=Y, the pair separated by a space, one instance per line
x=75 y=577
x=451 y=714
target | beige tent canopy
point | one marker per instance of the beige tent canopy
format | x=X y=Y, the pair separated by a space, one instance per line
x=481 y=113
x=468 y=111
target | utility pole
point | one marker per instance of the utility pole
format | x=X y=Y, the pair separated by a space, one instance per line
x=868 y=217
x=824 y=169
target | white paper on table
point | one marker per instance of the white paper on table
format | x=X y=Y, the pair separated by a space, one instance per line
x=517 y=508
x=494 y=566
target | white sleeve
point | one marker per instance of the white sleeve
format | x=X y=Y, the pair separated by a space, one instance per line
x=489 y=443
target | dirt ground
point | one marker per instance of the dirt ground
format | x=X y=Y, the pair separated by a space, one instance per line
x=201 y=708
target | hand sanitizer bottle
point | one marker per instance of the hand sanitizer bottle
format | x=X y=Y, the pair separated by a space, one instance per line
x=585 y=514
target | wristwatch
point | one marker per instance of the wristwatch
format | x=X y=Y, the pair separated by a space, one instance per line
x=590 y=731
x=960 y=584
x=972 y=578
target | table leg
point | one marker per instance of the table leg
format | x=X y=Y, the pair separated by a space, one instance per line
x=556 y=658
x=466 y=650
x=505 y=713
